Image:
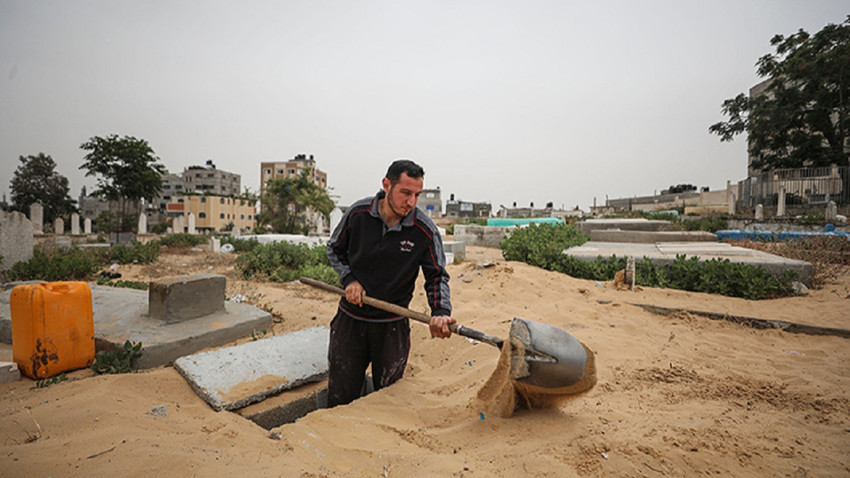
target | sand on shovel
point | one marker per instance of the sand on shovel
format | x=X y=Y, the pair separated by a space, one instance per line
x=502 y=394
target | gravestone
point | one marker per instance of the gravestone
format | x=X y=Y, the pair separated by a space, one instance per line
x=143 y=224
x=236 y=232
x=87 y=226
x=177 y=225
x=58 y=226
x=732 y=204
x=37 y=218
x=780 y=206
x=16 y=239
x=178 y=299
x=191 y=223
x=759 y=213
x=75 y=224
x=831 y=211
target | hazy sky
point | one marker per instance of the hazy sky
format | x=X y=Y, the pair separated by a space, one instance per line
x=499 y=101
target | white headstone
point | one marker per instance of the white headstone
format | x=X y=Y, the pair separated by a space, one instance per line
x=37 y=217
x=143 y=224
x=177 y=225
x=215 y=245
x=831 y=211
x=75 y=224
x=759 y=212
x=87 y=226
x=191 y=223
x=16 y=239
x=236 y=232
x=58 y=226
x=780 y=206
x=732 y=204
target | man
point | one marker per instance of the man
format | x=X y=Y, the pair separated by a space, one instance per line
x=377 y=249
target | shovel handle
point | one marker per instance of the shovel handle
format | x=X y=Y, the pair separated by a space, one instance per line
x=405 y=312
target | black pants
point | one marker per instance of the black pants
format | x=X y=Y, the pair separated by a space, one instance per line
x=354 y=344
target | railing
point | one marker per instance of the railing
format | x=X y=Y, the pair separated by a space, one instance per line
x=803 y=186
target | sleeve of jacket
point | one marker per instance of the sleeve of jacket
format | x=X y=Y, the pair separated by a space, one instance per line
x=338 y=250
x=436 y=277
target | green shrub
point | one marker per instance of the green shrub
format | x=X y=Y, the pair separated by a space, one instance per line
x=183 y=239
x=127 y=284
x=119 y=360
x=284 y=262
x=58 y=265
x=240 y=245
x=712 y=223
x=135 y=253
x=542 y=245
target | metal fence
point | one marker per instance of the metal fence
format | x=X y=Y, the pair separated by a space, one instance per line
x=804 y=186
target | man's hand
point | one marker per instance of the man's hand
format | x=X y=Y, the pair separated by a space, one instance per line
x=440 y=327
x=354 y=293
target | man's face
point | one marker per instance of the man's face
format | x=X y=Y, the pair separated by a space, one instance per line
x=403 y=195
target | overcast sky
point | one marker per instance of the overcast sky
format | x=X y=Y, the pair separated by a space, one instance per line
x=499 y=101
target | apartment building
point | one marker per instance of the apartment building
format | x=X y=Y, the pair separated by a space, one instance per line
x=293 y=167
x=214 y=213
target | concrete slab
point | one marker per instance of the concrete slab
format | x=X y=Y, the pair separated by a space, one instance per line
x=122 y=314
x=9 y=372
x=473 y=235
x=664 y=253
x=456 y=248
x=236 y=376
x=635 y=224
x=180 y=298
x=650 y=237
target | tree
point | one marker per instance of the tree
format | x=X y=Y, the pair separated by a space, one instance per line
x=801 y=119
x=126 y=168
x=36 y=180
x=288 y=203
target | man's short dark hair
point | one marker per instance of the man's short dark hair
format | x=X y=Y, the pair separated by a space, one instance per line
x=406 y=166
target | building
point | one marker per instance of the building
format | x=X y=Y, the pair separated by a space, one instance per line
x=194 y=179
x=431 y=202
x=208 y=179
x=293 y=167
x=531 y=211
x=213 y=213
x=464 y=209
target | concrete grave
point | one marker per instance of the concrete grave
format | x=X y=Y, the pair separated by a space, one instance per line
x=16 y=241
x=456 y=248
x=37 y=217
x=831 y=212
x=142 y=227
x=236 y=376
x=181 y=298
x=87 y=226
x=473 y=235
x=634 y=224
x=58 y=226
x=780 y=206
x=759 y=212
x=649 y=237
x=664 y=254
x=122 y=314
x=192 y=223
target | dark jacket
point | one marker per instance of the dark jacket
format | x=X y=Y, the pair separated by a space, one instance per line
x=386 y=261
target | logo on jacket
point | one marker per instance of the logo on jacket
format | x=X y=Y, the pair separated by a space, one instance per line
x=407 y=246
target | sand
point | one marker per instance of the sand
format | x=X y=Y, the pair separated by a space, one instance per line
x=676 y=395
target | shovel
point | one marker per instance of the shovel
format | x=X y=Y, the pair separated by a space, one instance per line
x=542 y=356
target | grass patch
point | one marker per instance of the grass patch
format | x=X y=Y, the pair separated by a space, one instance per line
x=284 y=262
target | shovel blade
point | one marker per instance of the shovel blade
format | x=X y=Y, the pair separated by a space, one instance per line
x=566 y=362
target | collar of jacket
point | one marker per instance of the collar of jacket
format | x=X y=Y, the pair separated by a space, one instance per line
x=407 y=221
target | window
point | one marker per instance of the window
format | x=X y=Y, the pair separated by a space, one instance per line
x=203 y=199
x=241 y=216
x=202 y=215
x=221 y=200
x=221 y=216
x=279 y=171
x=180 y=201
x=249 y=217
x=268 y=171
x=291 y=171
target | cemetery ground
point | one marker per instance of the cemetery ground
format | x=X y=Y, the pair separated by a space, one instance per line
x=677 y=395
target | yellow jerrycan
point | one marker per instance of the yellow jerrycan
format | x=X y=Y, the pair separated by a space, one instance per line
x=52 y=328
